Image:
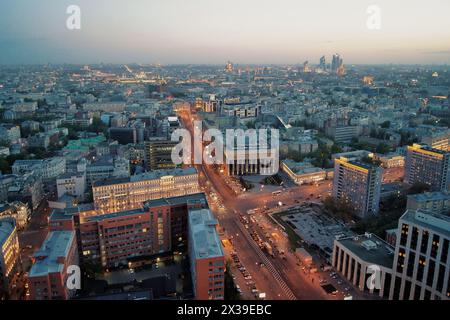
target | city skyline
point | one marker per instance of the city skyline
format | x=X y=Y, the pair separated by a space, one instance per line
x=170 y=32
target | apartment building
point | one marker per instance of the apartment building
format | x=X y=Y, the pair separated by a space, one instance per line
x=427 y=165
x=358 y=184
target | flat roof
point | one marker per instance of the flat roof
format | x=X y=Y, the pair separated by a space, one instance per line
x=437 y=195
x=56 y=245
x=114 y=215
x=151 y=175
x=190 y=198
x=67 y=213
x=380 y=252
x=7 y=226
x=428 y=220
x=202 y=228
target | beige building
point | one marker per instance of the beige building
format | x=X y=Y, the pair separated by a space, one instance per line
x=303 y=172
x=10 y=264
x=129 y=193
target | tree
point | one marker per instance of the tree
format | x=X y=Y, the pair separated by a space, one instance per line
x=418 y=187
x=338 y=208
x=386 y=124
x=382 y=148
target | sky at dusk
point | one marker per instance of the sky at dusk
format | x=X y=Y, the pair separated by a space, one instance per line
x=212 y=31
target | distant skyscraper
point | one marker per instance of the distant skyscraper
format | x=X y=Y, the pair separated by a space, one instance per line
x=427 y=165
x=306 y=68
x=229 y=67
x=323 y=63
x=358 y=184
x=337 y=63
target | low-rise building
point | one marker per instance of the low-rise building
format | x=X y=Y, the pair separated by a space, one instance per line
x=17 y=210
x=362 y=257
x=71 y=184
x=438 y=201
x=49 y=168
x=303 y=172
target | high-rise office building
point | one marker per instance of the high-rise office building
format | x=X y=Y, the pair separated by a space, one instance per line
x=421 y=267
x=427 y=165
x=336 y=63
x=416 y=268
x=358 y=184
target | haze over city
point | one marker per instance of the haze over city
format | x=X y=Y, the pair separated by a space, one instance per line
x=210 y=32
x=215 y=157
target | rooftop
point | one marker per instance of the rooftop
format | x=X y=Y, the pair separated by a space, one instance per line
x=191 y=198
x=56 y=245
x=370 y=249
x=427 y=196
x=114 y=215
x=67 y=213
x=428 y=220
x=202 y=228
x=151 y=175
x=7 y=226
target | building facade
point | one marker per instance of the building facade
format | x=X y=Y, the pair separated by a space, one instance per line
x=358 y=184
x=130 y=193
x=10 y=262
x=160 y=226
x=421 y=262
x=49 y=273
x=71 y=184
x=359 y=258
x=427 y=165
x=206 y=256
x=158 y=154
x=302 y=173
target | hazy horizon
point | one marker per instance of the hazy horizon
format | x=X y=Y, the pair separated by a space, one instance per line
x=208 y=32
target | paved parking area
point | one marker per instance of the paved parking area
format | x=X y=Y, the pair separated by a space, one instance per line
x=314 y=227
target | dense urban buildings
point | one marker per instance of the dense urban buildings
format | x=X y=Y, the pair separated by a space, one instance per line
x=348 y=201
